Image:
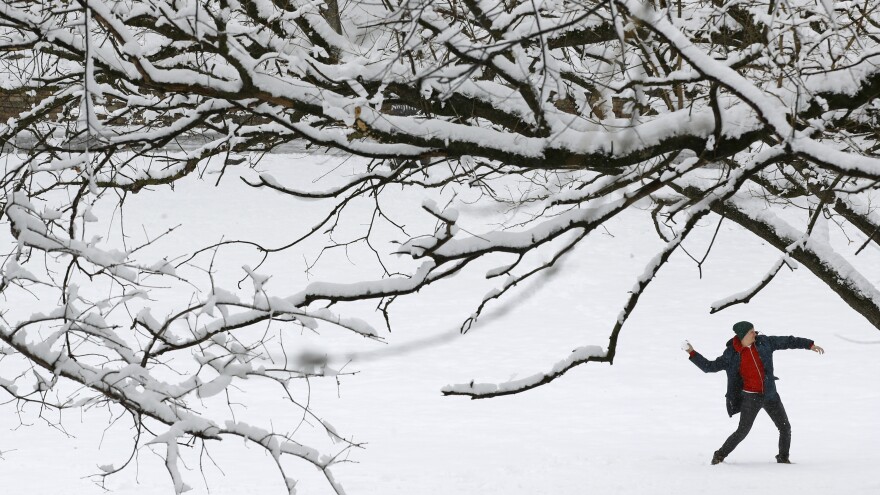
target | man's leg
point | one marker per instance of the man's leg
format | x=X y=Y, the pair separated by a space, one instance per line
x=777 y=413
x=751 y=406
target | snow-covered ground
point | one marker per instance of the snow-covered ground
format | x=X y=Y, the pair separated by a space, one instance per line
x=647 y=424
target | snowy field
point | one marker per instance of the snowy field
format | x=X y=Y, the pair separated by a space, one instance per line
x=647 y=424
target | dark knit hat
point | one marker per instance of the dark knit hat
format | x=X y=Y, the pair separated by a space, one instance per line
x=741 y=328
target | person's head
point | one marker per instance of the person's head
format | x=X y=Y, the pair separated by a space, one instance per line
x=746 y=332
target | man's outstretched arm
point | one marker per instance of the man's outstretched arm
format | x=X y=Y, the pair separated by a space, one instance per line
x=791 y=342
x=704 y=364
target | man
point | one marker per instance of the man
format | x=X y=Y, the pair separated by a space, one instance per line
x=748 y=361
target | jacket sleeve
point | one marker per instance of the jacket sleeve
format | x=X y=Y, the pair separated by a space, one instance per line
x=790 y=342
x=709 y=366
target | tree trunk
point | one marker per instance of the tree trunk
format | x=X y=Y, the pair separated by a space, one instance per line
x=331 y=14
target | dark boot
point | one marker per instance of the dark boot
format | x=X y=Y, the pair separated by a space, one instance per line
x=717 y=458
x=781 y=459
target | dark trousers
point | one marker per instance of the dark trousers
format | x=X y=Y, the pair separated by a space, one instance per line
x=751 y=406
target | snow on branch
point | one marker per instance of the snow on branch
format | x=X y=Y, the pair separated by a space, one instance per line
x=745 y=296
x=577 y=357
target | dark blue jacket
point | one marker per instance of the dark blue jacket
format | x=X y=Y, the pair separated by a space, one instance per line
x=729 y=362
